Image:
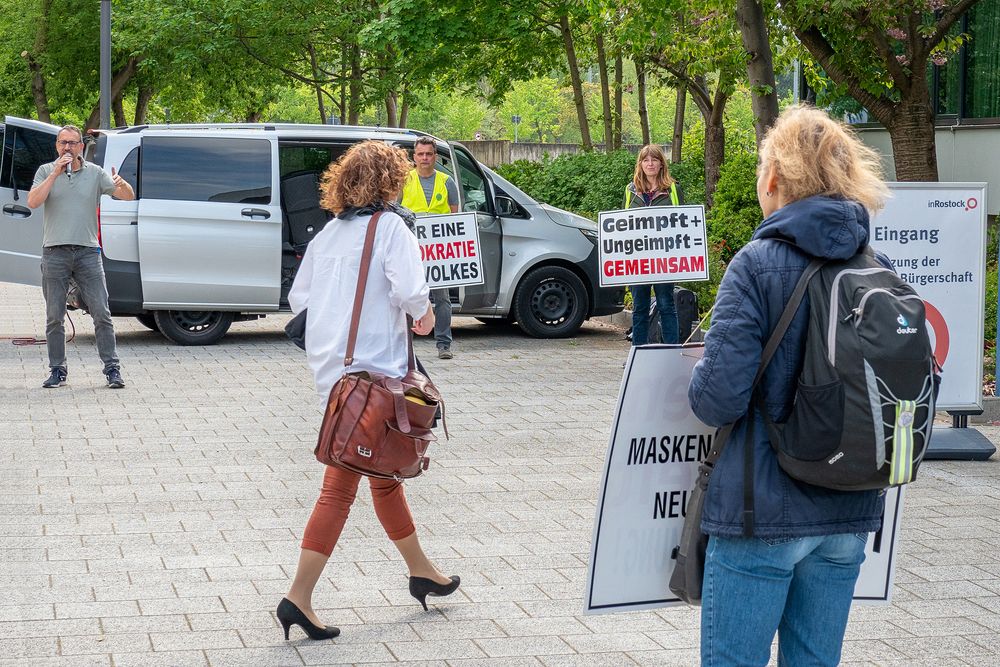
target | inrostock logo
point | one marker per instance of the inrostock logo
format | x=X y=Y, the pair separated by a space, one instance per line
x=968 y=204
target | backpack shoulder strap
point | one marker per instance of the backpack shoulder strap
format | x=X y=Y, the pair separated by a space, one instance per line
x=771 y=347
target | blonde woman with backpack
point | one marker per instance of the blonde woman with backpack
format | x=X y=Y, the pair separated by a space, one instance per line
x=652 y=185
x=783 y=556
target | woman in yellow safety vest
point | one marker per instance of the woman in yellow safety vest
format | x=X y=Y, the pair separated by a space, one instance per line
x=652 y=185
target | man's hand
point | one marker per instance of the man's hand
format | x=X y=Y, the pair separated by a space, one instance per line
x=61 y=162
x=123 y=190
x=425 y=324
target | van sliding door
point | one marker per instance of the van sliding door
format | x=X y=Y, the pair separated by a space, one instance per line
x=210 y=221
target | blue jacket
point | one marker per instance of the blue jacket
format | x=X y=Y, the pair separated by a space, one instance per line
x=752 y=295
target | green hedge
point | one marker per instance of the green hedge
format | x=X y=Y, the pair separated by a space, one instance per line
x=585 y=183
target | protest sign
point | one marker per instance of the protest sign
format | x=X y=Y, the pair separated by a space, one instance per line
x=450 y=250
x=651 y=463
x=935 y=236
x=654 y=244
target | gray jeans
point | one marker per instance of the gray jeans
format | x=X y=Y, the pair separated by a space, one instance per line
x=83 y=264
x=442 y=317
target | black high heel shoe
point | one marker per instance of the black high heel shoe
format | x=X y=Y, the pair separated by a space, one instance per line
x=420 y=588
x=289 y=615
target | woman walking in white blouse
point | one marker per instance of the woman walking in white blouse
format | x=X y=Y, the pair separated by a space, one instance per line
x=367 y=177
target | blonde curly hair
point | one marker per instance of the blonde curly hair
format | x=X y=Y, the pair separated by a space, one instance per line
x=817 y=155
x=369 y=172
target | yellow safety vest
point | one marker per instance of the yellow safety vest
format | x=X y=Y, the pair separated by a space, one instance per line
x=414 y=199
x=673 y=196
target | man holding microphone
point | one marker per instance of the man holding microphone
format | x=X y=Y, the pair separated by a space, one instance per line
x=71 y=189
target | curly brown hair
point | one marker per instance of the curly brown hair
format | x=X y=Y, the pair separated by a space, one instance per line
x=369 y=172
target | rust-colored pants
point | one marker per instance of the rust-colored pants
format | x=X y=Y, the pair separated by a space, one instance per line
x=334 y=504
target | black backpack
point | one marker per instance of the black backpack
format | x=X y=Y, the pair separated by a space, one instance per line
x=864 y=406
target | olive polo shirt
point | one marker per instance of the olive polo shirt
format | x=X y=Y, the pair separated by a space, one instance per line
x=70 y=213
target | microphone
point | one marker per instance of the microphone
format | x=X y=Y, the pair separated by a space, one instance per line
x=69 y=169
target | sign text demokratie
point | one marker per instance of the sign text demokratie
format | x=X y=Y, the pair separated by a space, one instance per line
x=656 y=244
x=449 y=249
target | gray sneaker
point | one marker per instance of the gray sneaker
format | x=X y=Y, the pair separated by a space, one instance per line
x=56 y=379
x=445 y=353
x=115 y=380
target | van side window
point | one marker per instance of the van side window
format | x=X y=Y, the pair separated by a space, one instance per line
x=24 y=151
x=210 y=170
x=472 y=183
x=130 y=170
x=300 y=157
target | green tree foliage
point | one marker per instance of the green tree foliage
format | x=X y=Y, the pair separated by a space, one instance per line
x=879 y=52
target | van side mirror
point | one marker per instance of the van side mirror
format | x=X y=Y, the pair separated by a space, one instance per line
x=506 y=207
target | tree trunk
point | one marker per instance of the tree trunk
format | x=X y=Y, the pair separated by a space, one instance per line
x=760 y=65
x=640 y=83
x=142 y=100
x=715 y=145
x=254 y=116
x=574 y=76
x=677 y=142
x=343 y=85
x=914 y=151
x=354 y=106
x=391 y=119
x=118 y=110
x=314 y=64
x=404 y=108
x=38 y=88
x=38 y=92
x=119 y=80
x=619 y=66
x=602 y=68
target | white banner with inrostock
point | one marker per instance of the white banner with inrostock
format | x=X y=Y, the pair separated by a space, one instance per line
x=935 y=235
x=652 y=459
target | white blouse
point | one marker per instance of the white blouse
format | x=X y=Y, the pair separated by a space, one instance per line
x=325 y=284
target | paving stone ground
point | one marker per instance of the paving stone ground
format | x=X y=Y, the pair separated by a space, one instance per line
x=159 y=524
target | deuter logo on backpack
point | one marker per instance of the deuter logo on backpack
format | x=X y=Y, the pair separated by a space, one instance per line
x=864 y=407
x=904 y=326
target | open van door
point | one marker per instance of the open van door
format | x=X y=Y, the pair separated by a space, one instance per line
x=209 y=221
x=27 y=144
x=476 y=197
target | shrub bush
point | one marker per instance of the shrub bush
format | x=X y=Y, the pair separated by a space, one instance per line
x=736 y=213
x=585 y=183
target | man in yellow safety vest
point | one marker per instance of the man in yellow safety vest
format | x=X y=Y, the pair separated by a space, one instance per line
x=428 y=190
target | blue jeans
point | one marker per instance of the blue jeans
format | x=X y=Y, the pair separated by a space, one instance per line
x=800 y=588
x=640 y=313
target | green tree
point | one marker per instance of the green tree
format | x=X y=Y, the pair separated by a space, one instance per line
x=879 y=54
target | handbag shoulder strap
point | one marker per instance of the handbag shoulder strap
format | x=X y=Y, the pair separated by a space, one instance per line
x=769 y=349
x=359 y=291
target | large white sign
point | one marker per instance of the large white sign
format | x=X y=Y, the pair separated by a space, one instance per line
x=935 y=235
x=654 y=244
x=450 y=250
x=649 y=470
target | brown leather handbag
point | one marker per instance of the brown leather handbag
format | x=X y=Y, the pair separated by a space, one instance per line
x=376 y=425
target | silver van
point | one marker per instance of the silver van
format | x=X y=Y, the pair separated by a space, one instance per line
x=223 y=214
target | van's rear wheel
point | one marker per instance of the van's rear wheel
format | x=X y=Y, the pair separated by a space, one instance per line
x=193 y=327
x=551 y=302
x=148 y=320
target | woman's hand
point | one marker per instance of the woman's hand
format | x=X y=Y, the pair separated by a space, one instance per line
x=425 y=324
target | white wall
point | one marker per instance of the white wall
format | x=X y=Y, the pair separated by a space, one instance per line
x=965 y=153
